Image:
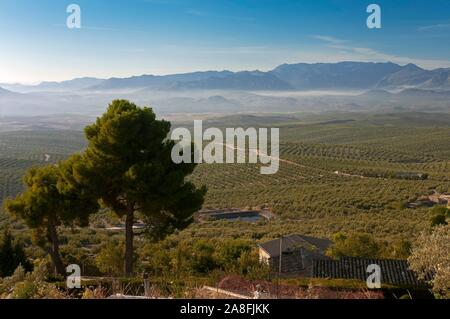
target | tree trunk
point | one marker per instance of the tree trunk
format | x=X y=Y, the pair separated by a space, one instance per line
x=129 y=237
x=54 y=250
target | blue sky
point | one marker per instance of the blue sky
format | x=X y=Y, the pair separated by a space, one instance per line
x=132 y=37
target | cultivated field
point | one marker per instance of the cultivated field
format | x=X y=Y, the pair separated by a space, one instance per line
x=338 y=172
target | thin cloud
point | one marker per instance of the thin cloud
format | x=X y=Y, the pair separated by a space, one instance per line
x=88 y=27
x=99 y=28
x=196 y=12
x=200 y=13
x=328 y=39
x=356 y=52
x=164 y=2
x=440 y=26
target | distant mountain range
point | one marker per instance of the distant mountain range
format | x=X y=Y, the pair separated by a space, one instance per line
x=286 y=77
x=413 y=76
x=4 y=92
x=70 y=85
x=344 y=75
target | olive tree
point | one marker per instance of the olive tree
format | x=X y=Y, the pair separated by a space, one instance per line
x=431 y=255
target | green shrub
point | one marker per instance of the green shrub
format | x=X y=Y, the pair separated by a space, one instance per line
x=203 y=260
x=110 y=259
x=438 y=220
x=11 y=255
x=355 y=245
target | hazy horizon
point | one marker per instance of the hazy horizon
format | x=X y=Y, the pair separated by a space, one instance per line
x=206 y=70
x=170 y=37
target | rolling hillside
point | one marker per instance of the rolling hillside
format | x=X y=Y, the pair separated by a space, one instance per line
x=337 y=172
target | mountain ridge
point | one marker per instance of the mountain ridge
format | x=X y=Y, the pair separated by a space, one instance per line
x=285 y=77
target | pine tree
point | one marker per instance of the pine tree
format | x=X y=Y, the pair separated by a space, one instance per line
x=128 y=159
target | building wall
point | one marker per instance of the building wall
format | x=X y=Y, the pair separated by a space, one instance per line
x=263 y=257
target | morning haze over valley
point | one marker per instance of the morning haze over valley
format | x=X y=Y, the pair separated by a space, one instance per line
x=345 y=86
x=134 y=137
